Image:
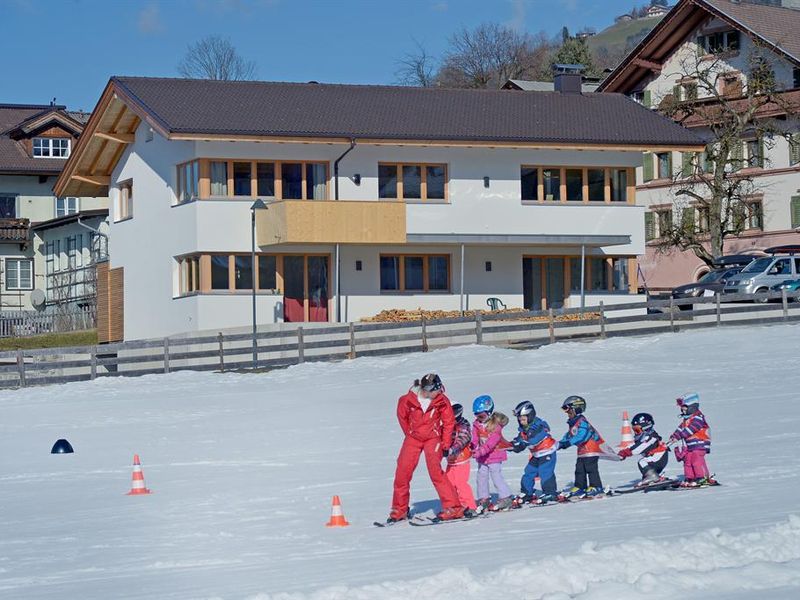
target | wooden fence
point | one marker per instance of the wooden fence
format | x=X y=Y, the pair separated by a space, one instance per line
x=285 y=347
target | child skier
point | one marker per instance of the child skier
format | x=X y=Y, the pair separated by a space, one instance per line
x=693 y=430
x=458 y=461
x=591 y=447
x=487 y=444
x=648 y=446
x=534 y=433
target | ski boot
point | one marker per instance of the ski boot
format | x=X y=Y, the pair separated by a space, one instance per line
x=502 y=504
x=568 y=493
x=688 y=484
x=523 y=498
x=593 y=492
x=707 y=481
x=396 y=518
x=483 y=506
x=449 y=514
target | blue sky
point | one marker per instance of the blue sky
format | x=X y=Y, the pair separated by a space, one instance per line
x=69 y=48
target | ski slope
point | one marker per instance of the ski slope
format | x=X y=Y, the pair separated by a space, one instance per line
x=243 y=468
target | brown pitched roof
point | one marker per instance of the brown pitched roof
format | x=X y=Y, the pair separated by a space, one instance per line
x=13 y=157
x=776 y=27
x=190 y=106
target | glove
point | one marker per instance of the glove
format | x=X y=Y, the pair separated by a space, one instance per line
x=518 y=447
x=563 y=445
x=625 y=453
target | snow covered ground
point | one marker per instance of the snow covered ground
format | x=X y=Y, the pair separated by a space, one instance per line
x=243 y=468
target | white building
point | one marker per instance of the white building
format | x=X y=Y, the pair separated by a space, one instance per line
x=35 y=143
x=728 y=36
x=428 y=198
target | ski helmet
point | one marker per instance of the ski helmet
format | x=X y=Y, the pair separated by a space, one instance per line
x=458 y=411
x=692 y=398
x=644 y=421
x=483 y=404
x=431 y=383
x=525 y=409
x=576 y=403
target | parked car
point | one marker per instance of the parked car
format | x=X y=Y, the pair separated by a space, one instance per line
x=763 y=273
x=709 y=284
x=790 y=285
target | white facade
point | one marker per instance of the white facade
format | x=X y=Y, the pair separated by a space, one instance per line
x=161 y=230
x=776 y=183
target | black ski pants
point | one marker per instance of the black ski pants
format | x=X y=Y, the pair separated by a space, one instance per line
x=586 y=468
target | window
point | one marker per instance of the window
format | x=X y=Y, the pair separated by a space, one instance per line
x=597 y=183
x=316 y=181
x=412 y=181
x=66 y=206
x=241 y=179
x=219 y=272
x=415 y=273
x=219 y=178
x=188 y=181
x=619 y=185
x=703 y=216
x=619 y=271
x=551 y=178
x=664 y=162
x=51 y=147
x=267 y=269
x=796 y=77
x=717 y=42
x=265 y=180
x=189 y=270
x=19 y=274
x=663 y=222
x=598 y=274
x=755 y=153
x=8 y=207
x=243 y=272
x=529 y=181
x=754 y=214
x=794 y=149
x=574 y=180
x=649 y=226
x=124 y=201
x=292 y=181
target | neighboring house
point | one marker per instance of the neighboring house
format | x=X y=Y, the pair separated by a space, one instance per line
x=378 y=197
x=656 y=11
x=35 y=143
x=652 y=72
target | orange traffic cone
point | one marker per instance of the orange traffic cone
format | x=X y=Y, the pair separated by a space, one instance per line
x=137 y=483
x=627 y=432
x=337 y=516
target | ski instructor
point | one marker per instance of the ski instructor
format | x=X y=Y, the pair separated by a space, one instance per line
x=427 y=421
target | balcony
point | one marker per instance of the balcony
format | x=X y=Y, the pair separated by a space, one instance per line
x=331 y=222
x=14 y=230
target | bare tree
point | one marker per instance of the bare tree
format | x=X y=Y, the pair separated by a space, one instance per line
x=717 y=184
x=489 y=55
x=214 y=57
x=416 y=68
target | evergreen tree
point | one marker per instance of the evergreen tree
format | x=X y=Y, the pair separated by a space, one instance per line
x=574 y=51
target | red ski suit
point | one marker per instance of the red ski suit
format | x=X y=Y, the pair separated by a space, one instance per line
x=431 y=432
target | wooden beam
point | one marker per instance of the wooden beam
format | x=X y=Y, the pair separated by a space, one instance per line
x=119 y=138
x=101 y=180
x=648 y=64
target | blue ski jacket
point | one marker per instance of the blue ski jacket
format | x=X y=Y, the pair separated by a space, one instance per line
x=536 y=436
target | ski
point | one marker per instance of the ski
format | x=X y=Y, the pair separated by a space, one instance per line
x=386 y=524
x=427 y=521
x=650 y=487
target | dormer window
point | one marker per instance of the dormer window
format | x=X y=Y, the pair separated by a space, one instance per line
x=51 y=147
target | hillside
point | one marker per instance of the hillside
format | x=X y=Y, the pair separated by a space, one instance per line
x=614 y=40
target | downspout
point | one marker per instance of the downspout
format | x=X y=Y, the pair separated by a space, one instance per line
x=336 y=268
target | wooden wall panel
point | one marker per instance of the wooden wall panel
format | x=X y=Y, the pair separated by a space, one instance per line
x=116 y=320
x=102 y=303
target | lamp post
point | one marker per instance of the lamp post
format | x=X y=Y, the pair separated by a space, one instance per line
x=257 y=205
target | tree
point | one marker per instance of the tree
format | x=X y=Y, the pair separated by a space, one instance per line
x=575 y=51
x=215 y=57
x=717 y=184
x=489 y=55
x=416 y=68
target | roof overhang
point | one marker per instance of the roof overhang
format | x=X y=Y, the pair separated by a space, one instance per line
x=100 y=213
x=41 y=120
x=109 y=130
x=479 y=239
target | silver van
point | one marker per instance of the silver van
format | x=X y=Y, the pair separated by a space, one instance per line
x=763 y=273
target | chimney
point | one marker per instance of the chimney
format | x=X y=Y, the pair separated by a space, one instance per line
x=567 y=79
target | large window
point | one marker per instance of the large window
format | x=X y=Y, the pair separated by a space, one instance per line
x=291 y=180
x=8 y=207
x=574 y=179
x=241 y=179
x=220 y=272
x=755 y=153
x=551 y=179
x=124 y=201
x=51 y=147
x=67 y=206
x=619 y=185
x=664 y=162
x=575 y=184
x=529 y=180
x=717 y=42
x=415 y=273
x=412 y=181
x=219 y=178
x=227 y=273
x=19 y=274
x=189 y=269
x=754 y=214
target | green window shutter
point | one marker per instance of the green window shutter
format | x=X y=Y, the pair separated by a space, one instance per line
x=737 y=155
x=686 y=164
x=687 y=220
x=676 y=93
x=647 y=166
x=650 y=226
x=761 y=152
x=794 y=149
x=647 y=99
x=795 y=211
x=669 y=165
x=701 y=48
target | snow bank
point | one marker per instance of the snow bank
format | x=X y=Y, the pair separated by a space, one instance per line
x=710 y=564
